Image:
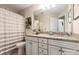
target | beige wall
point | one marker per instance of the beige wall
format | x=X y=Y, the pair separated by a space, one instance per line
x=48 y=22
x=29 y=12
x=68 y=26
x=2 y=6
x=44 y=19
x=76 y=26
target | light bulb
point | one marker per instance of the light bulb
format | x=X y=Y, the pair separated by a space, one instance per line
x=47 y=6
x=43 y=6
x=53 y=5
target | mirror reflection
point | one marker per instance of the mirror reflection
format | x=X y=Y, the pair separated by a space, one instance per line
x=50 y=19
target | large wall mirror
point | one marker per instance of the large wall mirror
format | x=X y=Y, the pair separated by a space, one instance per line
x=52 y=20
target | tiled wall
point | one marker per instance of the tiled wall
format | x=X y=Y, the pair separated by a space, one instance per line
x=11 y=30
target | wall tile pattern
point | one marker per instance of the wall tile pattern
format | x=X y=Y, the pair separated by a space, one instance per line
x=11 y=30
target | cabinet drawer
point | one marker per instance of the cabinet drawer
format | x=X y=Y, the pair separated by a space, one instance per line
x=28 y=38
x=41 y=45
x=32 y=39
x=42 y=51
x=78 y=45
x=65 y=44
x=42 y=40
x=69 y=52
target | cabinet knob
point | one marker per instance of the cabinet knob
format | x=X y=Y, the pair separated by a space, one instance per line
x=30 y=42
x=61 y=51
x=42 y=45
x=42 y=50
x=42 y=40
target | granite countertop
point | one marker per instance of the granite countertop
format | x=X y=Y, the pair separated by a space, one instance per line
x=57 y=37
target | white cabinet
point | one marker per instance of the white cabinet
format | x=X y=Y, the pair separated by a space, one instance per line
x=43 y=46
x=31 y=48
x=69 y=52
x=42 y=40
x=32 y=39
x=28 y=47
x=34 y=48
x=64 y=48
x=53 y=50
x=43 y=49
x=66 y=44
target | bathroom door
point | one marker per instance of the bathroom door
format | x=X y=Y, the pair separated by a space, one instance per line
x=53 y=24
x=60 y=25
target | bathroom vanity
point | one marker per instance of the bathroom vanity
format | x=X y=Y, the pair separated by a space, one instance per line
x=44 y=44
x=56 y=25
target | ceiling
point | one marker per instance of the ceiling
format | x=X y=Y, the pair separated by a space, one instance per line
x=17 y=7
x=59 y=8
x=55 y=10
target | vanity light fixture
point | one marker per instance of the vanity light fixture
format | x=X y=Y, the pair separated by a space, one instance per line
x=47 y=6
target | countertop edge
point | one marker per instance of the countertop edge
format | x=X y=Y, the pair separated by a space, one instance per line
x=55 y=38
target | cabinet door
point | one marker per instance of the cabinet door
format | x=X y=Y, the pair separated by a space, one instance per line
x=31 y=48
x=42 y=51
x=42 y=40
x=69 y=52
x=28 y=47
x=53 y=50
x=34 y=48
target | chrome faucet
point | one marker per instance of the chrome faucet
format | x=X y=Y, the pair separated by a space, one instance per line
x=68 y=34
